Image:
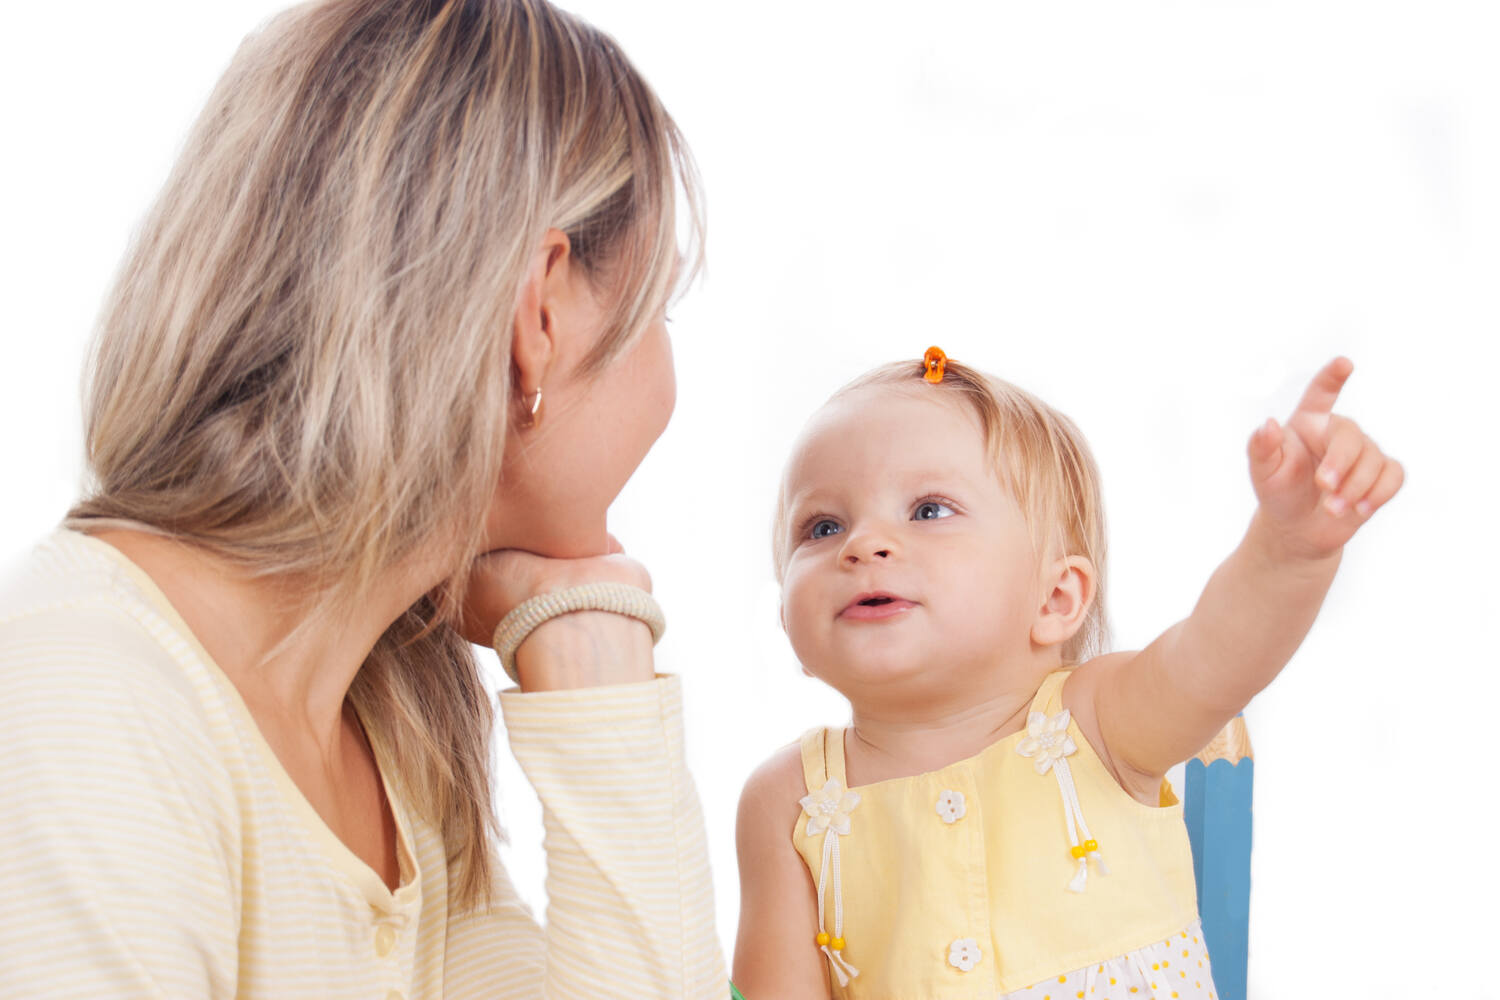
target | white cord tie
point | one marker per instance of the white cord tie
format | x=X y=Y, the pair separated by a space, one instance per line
x=1048 y=745
x=828 y=814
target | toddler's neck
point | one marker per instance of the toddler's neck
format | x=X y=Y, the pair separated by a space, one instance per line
x=882 y=744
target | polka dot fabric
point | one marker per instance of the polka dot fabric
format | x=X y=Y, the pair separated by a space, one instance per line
x=1174 y=968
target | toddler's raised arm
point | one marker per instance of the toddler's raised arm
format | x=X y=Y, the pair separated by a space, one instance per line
x=1318 y=479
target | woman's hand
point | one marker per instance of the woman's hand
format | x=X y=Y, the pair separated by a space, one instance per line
x=581 y=649
x=1320 y=477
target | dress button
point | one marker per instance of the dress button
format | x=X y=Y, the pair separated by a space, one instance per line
x=385 y=940
x=964 y=954
x=950 y=806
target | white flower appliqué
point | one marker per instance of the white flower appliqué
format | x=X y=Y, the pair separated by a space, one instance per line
x=950 y=806
x=964 y=954
x=829 y=808
x=1046 y=740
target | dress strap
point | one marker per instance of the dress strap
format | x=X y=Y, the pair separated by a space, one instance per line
x=1048 y=698
x=822 y=757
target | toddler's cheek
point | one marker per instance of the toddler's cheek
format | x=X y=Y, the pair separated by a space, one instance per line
x=796 y=634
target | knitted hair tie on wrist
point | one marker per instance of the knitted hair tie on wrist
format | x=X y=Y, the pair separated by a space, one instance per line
x=617 y=598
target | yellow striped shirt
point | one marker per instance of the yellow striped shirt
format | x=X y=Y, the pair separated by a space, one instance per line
x=151 y=845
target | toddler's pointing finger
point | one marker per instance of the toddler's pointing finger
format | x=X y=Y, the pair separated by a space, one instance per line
x=1323 y=391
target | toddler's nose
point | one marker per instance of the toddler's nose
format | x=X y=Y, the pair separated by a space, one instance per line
x=865 y=547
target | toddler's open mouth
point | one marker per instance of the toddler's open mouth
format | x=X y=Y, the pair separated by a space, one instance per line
x=878 y=606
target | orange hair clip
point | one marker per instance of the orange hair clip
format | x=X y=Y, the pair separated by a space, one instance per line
x=935 y=362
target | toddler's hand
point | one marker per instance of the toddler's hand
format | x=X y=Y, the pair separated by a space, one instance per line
x=1321 y=477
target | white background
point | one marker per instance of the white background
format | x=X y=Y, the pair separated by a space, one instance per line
x=1161 y=216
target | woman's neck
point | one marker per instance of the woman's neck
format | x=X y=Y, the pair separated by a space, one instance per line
x=885 y=743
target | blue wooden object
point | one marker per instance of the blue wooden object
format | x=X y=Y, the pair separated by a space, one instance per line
x=1217 y=805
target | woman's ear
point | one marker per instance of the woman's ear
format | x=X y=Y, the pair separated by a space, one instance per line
x=1067 y=593
x=534 y=346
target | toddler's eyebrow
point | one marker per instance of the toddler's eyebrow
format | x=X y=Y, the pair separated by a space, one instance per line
x=797 y=503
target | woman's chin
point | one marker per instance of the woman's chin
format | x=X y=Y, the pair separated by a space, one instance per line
x=560 y=542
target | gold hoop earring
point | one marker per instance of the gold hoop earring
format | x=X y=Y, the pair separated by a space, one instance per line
x=534 y=408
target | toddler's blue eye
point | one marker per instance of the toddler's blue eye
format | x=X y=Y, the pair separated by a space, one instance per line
x=931 y=510
x=824 y=528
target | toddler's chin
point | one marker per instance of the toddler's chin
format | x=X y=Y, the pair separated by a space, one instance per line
x=879 y=675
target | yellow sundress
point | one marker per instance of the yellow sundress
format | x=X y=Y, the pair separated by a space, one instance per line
x=1022 y=873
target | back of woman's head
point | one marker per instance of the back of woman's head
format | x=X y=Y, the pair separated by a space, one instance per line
x=304 y=367
x=305 y=364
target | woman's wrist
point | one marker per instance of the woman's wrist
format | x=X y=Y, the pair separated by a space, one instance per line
x=585 y=649
x=620 y=599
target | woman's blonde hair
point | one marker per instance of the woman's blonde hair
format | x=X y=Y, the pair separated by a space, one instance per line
x=304 y=367
x=1040 y=457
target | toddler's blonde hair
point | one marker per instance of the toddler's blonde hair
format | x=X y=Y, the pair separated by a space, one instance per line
x=304 y=367
x=1041 y=458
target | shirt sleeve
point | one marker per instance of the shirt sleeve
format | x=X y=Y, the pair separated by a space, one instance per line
x=630 y=900
x=115 y=857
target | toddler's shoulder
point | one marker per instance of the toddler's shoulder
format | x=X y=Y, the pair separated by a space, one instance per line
x=778 y=780
x=1087 y=680
x=771 y=802
x=1086 y=688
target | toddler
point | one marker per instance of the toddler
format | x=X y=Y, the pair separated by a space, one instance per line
x=995 y=823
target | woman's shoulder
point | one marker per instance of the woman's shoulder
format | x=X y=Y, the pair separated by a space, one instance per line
x=64 y=569
x=78 y=631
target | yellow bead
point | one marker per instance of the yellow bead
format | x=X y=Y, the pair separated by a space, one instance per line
x=837 y=944
x=1090 y=845
x=822 y=938
x=1078 y=851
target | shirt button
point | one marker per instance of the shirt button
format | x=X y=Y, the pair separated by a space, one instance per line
x=385 y=940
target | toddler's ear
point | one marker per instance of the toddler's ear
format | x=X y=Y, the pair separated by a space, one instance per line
x=1067 y=592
